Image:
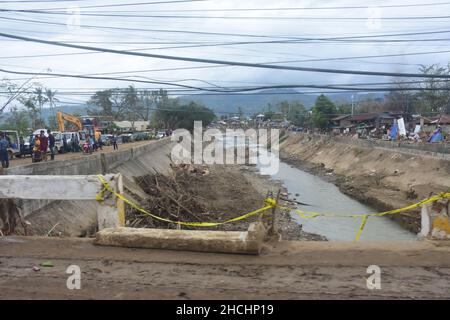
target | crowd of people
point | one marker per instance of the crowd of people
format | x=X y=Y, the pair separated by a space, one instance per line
x=43 y=146
x=43 y=143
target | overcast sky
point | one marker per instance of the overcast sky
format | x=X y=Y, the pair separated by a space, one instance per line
x=308 y=23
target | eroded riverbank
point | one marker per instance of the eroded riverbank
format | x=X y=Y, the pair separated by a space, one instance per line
x=382 y=179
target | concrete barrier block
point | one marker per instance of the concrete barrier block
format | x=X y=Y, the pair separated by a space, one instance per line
x=243 y=242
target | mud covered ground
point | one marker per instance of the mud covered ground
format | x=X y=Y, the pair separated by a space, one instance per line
x=285 y=270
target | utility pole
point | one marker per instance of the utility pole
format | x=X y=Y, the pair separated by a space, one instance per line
x=353 y=103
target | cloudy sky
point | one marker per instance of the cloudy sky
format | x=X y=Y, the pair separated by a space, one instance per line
x=290 y=33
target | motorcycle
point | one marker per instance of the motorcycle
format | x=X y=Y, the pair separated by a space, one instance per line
x=87 y=148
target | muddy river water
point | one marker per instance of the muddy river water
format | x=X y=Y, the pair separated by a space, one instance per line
x=325 y=197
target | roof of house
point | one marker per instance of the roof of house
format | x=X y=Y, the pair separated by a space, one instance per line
x=342 y=117
x=127 y=124
x=443 y=119
x=364 y=117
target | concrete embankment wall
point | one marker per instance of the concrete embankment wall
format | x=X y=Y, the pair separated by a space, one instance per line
x=74 y=218
x=378 y=173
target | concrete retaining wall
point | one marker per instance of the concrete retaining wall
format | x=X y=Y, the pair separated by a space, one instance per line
x=75 y=217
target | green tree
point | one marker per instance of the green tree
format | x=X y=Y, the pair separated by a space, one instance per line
x=344 y=108
x=437 y=96
x=240 y=113
x=18 y=120
x=41 y=99
x=170 y=114
x=107 y=103
x=294 y=111
x=322 y=111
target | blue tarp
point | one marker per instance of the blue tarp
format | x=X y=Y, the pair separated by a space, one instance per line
x=394 y=131
x=436 y=136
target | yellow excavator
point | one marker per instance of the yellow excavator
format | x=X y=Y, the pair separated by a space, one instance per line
x=61 y=117
x=69 y=118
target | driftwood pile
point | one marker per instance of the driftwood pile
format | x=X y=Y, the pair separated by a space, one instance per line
x=170 y=197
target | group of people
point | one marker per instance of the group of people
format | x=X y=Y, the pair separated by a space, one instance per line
x=42 y=144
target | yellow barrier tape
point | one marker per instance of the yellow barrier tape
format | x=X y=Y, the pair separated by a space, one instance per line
x=361 y=227
x=269 y=203
x=364 y=217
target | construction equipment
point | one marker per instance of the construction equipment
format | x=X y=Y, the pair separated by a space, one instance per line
x=69 y=118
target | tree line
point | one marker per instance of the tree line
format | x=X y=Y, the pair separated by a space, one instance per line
x=154 y=106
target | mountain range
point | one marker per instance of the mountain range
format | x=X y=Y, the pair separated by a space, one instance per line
x=250 y=103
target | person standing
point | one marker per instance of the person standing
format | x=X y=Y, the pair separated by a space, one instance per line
x=51 y=144
x=65 y=146
x=22 y=146
x=114 y=142
x=73 y=143
x=36 y=154
x=44 y=145
x=4 y=156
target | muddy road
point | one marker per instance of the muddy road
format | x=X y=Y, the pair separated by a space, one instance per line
x=287 y=270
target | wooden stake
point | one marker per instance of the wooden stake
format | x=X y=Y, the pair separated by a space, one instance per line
x=272 y=230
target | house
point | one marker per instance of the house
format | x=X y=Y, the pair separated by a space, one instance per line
x=442 y=120
x=100 y=123
x=128 y=126
x=364 y=120
x=340 y=122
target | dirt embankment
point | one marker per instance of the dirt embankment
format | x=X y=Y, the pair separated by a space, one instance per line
x=384 y=179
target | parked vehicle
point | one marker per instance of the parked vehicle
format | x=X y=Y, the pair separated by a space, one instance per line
x=160 y=135
x=106 y=139
x=68 y=135
x=141 y=136
x=28 y=146
x=58 y=141
x=126 y=138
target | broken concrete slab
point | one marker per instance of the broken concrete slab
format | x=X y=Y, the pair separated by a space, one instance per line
x=246 y=242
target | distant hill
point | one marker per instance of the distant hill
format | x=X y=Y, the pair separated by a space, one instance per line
x=256 y=102
x=47 y=112
x=250 y=103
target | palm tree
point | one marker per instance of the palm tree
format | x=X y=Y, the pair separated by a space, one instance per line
x=41 y=100
x=51 y=97
x=51 y=100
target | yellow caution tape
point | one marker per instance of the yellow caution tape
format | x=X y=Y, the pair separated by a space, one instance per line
x=361 y=227
x=269 y=203
x=364 y=217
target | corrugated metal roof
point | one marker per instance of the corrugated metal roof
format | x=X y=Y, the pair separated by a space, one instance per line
x=364 y=117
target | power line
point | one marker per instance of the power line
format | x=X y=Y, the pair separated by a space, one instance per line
x=286 y=38
x=300 y=8
x=128 y=4
x=224 y=62
x=242 y=89
x=150 y=30
x=229 y=17
x=28 y=1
